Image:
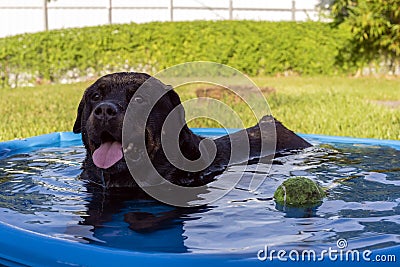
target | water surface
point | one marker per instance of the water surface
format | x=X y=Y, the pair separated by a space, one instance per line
x=41 y=191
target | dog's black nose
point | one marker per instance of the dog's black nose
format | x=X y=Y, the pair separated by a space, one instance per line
x=105 y=111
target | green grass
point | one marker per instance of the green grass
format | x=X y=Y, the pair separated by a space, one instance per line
x=337 y=106
x=27 y=112
x=321 y=105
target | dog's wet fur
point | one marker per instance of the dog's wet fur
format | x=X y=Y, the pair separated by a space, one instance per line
x=100 y=119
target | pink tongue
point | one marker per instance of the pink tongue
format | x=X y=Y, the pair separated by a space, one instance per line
x=107 y=154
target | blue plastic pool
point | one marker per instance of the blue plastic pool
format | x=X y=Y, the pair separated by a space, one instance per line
x=44 y=217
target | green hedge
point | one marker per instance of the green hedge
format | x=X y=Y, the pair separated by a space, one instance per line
x=256 y=48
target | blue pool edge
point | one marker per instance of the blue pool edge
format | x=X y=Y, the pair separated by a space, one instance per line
x=63 y=139
x=20 y=247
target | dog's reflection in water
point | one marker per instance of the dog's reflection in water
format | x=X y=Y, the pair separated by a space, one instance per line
x=136 y=222
x=142 y=213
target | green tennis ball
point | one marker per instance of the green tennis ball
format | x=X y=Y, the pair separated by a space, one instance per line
x=299 y=192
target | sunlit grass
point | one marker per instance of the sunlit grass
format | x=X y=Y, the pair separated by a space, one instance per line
x=27 y=112
x=337 y=106
x=320 y=105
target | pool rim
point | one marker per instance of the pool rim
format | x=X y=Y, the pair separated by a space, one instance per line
x=63 y=139
x=60 y=252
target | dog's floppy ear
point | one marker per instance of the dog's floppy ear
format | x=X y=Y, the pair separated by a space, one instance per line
x=188 y=141
x=176 y=101
x=173 y=96
x=78 y=122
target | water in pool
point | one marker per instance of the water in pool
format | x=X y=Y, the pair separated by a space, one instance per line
x=41 y=191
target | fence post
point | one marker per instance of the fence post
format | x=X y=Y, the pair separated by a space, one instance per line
x=293 y=10
x=231 y=9
x=171 y=10
x=109 y=7
x=45 y=15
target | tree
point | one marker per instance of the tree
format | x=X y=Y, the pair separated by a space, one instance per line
x=375 y=28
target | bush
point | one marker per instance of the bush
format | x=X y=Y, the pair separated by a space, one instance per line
x=375 y=29
x=256 y=48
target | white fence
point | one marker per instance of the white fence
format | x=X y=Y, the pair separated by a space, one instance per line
x=19 y=16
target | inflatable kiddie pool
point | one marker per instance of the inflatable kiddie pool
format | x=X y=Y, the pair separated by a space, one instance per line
x=43 y=212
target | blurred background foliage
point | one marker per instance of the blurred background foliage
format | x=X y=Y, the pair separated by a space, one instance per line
x=375 y=30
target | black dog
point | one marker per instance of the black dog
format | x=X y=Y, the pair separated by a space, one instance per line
x=100 y=120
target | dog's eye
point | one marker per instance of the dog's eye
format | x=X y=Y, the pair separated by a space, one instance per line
x=96 y=97
x=138 y=99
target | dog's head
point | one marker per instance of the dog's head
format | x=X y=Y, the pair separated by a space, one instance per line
x=101 y=114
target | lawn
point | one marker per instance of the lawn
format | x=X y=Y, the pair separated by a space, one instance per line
x=358 y=107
